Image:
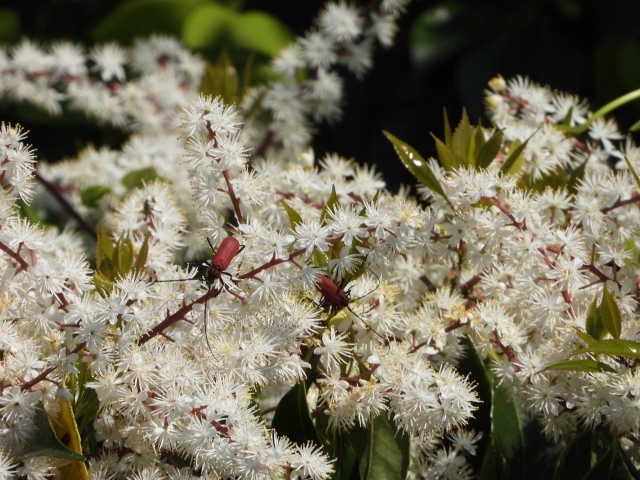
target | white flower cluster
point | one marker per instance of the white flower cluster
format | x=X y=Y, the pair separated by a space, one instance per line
x=279 y=117
x=166 y=76
x=320 y=276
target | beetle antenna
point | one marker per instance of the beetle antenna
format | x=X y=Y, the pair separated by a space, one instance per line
x=369 y=293
x=177 y=280
x=211 y=245
x=366 y=324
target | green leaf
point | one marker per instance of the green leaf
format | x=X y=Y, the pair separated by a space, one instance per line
x=633 y=172
x=138 y=178
x=320 y=259
x=207 y=26
x=514 y=154
x=294 y=217
x=506 y=434
x=574 y=461
x=135 y=18
x=91 y=196
x=292 y=418
x=445 y=155
x=610 y=467
x=382 y=450
x=108 y=269
x=330 y=205
x=417 y=166
x=635 y=127
x=260 y=32
x=9 y=25
x=610 y=314
x=141 y=259
x=462 y=142
x=27 y=211
x=345 y=456
x=123 y=256
x=478 y=145
x=472 y=367
x=489 y=150
x=104 y=247
x=575 y=177
x=104 y=286
x=581 y=366
x=221 y=79
x=613 y=347
x=86 y=408
x=46 y=444
x=586 y=338
x=567 y=118
x=594 y=325
x=447 y=131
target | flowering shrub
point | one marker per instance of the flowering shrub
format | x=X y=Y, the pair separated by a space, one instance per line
x=345 y=329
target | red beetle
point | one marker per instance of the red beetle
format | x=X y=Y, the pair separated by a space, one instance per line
x=333 y=295
x=216 y=267
x=336 y=297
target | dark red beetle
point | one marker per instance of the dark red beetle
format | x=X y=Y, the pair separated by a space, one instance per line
x=336 y=297
x=221 y=260
x=333 y=295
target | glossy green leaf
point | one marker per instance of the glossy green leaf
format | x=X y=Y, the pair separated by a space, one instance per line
x=382 y=450
x=345 y=456
x=610 y=467
x=633 y=172
x=136 y=18
x=576 y=176
x=574 y=460
x=479 y=143
x=613 y=347
x=594 y=325
x=292 y=418
x=489 y=151
x=46 y=444
x=104 y=247
x=27 y=211
x=586 y=338
x=472 y=367
x=445 y=155
x=330 y=205
x=462 y=141
x=9 y=25
x=417 y=165
x=91 y=196
x=260 y=32
x=141 y=259
x=610 y=314
x=506 y=434
x=104 y=286
x=86 y=408
x=581 y=366
x=294 y=217
x=108 y=269
x=514 y=154
x=138 y=178
x=123 y=256
x=448 y=139
x=207 y=26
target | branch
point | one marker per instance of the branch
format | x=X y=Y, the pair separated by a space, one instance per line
x=232 y=196
x=67 y=206
x=175 y=317
x=23 y=265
